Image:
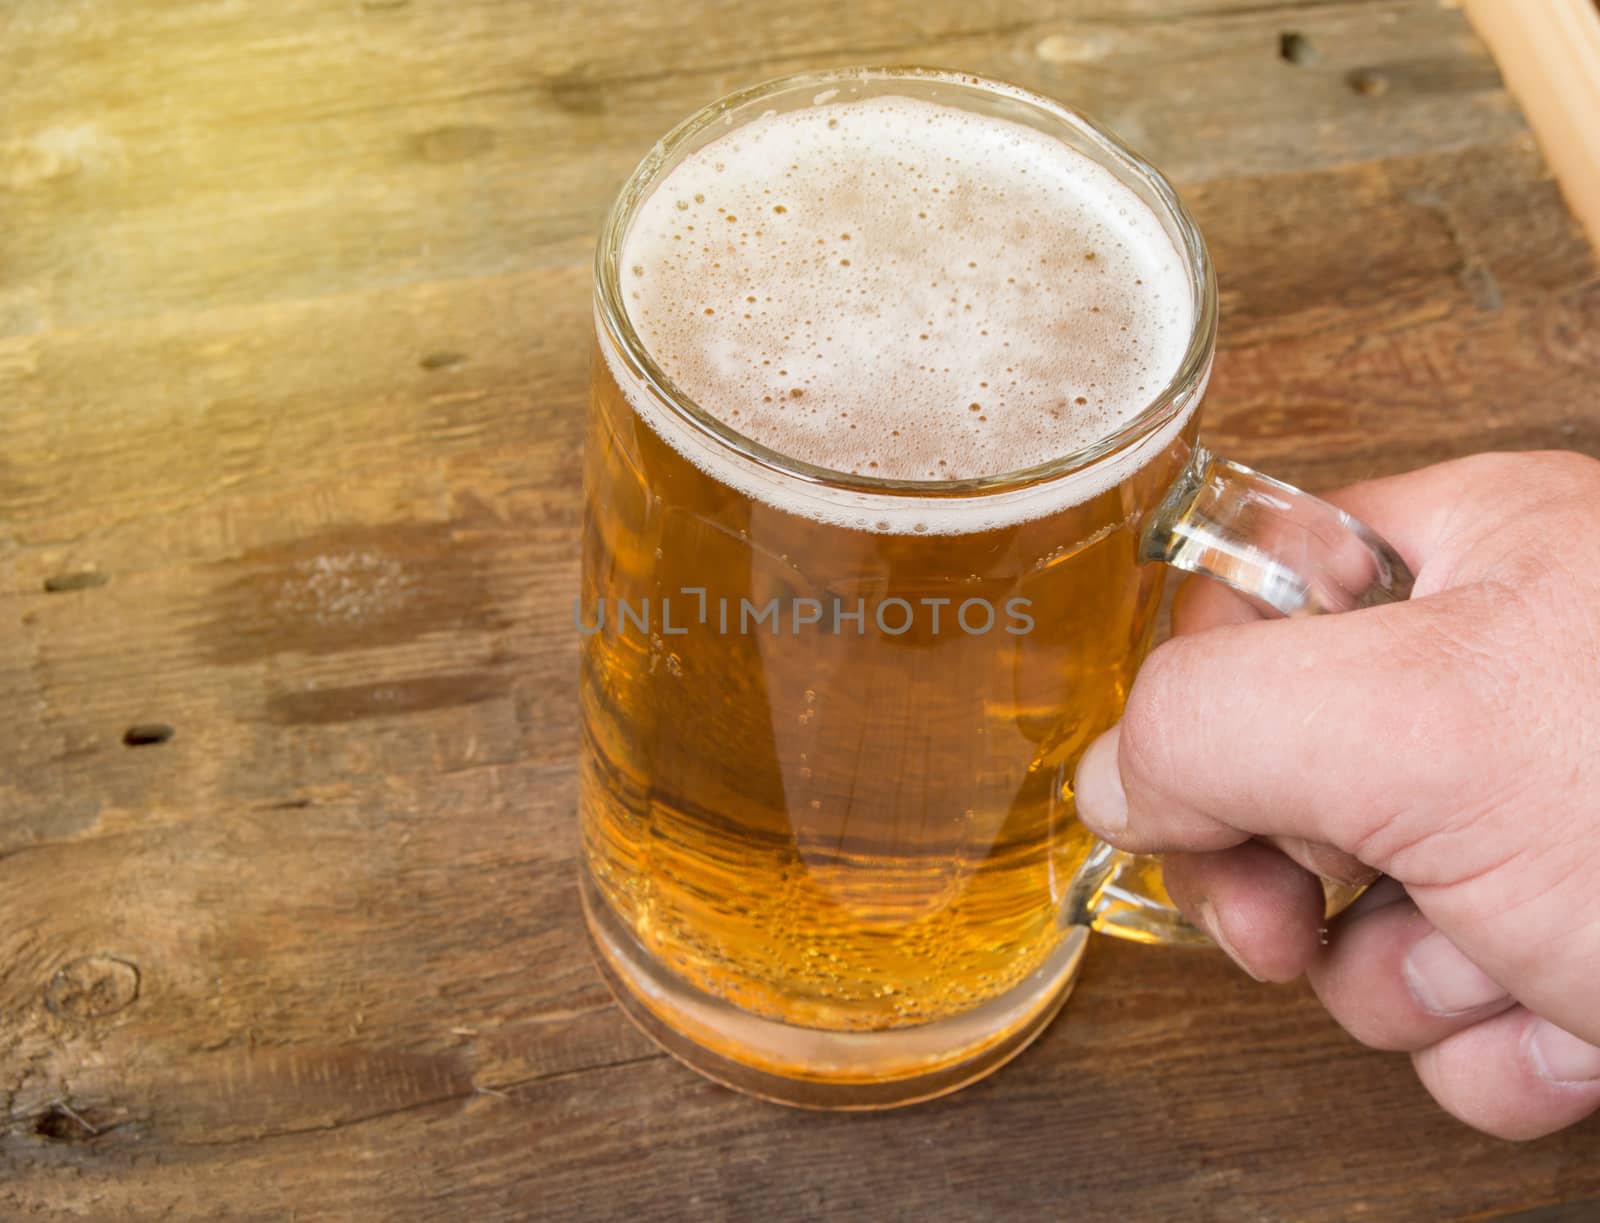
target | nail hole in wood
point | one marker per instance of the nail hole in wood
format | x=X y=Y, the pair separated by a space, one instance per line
x=442 y=360
x=1367 y=83
x=87 y=579
x=146 y=734
x=1295 y=48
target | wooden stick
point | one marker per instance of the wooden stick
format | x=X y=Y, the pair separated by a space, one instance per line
x=1549 y=52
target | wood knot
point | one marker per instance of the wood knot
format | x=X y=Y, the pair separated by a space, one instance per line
x=1083 y=45
x=57 y=154
x=92 y=987
x=82 y=579
x=1367 y=83
x=63 y=1123
x=147 y=734
x=455 y=143
x=1296 y=48
x=575 y=92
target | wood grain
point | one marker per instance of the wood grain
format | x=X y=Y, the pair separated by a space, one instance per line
x=293 y=323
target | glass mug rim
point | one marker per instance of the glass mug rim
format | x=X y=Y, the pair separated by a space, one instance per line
x=1180 y=393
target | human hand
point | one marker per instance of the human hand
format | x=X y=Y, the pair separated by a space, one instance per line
x=1450 y=743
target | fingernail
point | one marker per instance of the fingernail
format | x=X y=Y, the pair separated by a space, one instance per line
x=1098 y=787
x=1444 y=981
x=1561 y=1057
x=1213 y=927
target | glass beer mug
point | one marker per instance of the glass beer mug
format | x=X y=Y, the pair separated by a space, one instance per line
x=874 y=543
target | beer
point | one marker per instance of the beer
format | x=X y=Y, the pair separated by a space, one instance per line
x=839 y=659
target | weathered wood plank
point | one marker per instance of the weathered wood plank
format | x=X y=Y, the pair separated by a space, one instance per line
x=214 y=157
x=1131 y=1107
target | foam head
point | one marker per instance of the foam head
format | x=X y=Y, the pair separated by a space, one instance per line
x=895 y=288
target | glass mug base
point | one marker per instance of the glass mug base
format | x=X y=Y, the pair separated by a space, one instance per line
x=809 y=1067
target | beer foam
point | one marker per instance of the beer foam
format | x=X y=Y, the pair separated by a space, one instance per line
x=894 y=288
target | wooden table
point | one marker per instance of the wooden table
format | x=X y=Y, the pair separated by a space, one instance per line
x=293 y=321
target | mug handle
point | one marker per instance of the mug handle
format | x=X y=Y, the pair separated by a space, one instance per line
x=1289 y=553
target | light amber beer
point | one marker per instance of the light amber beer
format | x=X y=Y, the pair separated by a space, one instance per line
x=858 y=588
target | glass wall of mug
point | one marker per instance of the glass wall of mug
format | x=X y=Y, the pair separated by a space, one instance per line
x=830 y=719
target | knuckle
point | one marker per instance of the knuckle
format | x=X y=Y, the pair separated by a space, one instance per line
x=1569 y=469
x=1493 y=466
x=1522 y=504
x=1141 y=721
x=1203 y=603
x=1451 y=680
x=1370 y=1026
x=1495 y=470
x=1146 y=755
